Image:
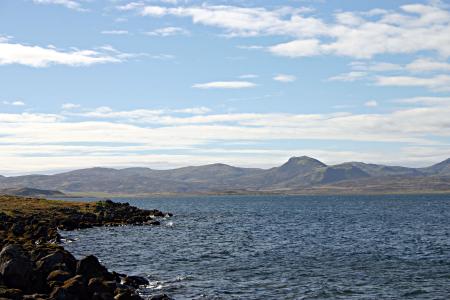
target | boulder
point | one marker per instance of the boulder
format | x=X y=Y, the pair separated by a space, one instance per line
x=16 y=268
x=61 y=293
x=100 y=286
x=72 y=289
x=102 y=296
x=59 y=276
x=126 y=295
x=58 y=260
x=7 y=293
x=90 y=267
x=135 y=281
x=35 y=297
x=160 y=297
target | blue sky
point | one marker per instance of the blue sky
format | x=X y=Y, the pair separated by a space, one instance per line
x=172 y=83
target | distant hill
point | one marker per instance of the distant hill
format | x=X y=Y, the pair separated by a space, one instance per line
x=298 y=175
x=31 y=192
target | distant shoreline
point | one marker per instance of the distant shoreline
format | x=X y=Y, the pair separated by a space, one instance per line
x=69 y=195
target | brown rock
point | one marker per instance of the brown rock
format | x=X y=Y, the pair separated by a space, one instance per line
x=100 y=286
x=59 y=276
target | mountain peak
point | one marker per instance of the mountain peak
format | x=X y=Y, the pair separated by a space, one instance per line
x=300 y=165
x=442 y=168
x=304 y=160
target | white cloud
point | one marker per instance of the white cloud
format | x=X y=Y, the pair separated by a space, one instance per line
x=284 y=78
x=250 y=47
x=409 y=29
x=371 y=103
x=162 y=56
x=157 y=11
x=193 y=110
x=298 y=48
x=375 y=66
x=115 y=32
x=429 y=101
x=27 y=118
x=69 y=106
x=349 y=77
x=66 y=3
x=224 y=85
x=130 y=6
x=440 y=83
x=427 y=65
x=14 y=103
x=104 y=136
x=168 y=31
x=37 y=56
x=5 y=38
x=248 y=76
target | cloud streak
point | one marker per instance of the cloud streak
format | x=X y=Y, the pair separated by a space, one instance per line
x=36 y=56
x=98 y=136
x=224 y=85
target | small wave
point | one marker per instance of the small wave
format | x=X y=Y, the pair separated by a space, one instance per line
x=414 y=293
x=68 y=240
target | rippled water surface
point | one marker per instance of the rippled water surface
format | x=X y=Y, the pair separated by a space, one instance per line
x=284 y=247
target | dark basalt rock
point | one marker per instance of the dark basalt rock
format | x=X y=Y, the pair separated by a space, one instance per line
x=59 y=260
x=35 y=297
x=135 y=281
x=7 y=293
x=100 y=286
x=15 y=267
x=90 y=267
x=160 y=297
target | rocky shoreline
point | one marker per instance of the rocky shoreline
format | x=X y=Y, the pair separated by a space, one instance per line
x=33 y=264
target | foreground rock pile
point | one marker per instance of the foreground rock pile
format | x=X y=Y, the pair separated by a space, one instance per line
x=34 y=266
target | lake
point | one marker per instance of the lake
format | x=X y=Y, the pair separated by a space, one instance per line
x=284 y=247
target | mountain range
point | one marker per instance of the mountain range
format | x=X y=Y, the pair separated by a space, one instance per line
x=299 y=175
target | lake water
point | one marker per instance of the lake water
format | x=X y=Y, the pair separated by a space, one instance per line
x=284 y=247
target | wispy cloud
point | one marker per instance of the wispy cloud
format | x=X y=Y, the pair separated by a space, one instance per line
x=440 y=83
x=115 y=32
x=248 y=76
x=371 y=103
x=285 y=78
x=225 y=85
x=349 y=77
x=14 y=103
x=68 y=106
x=168 y=31
x=71 y=4
x=37 y=56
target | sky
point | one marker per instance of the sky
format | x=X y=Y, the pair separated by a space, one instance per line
x=172 y=83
